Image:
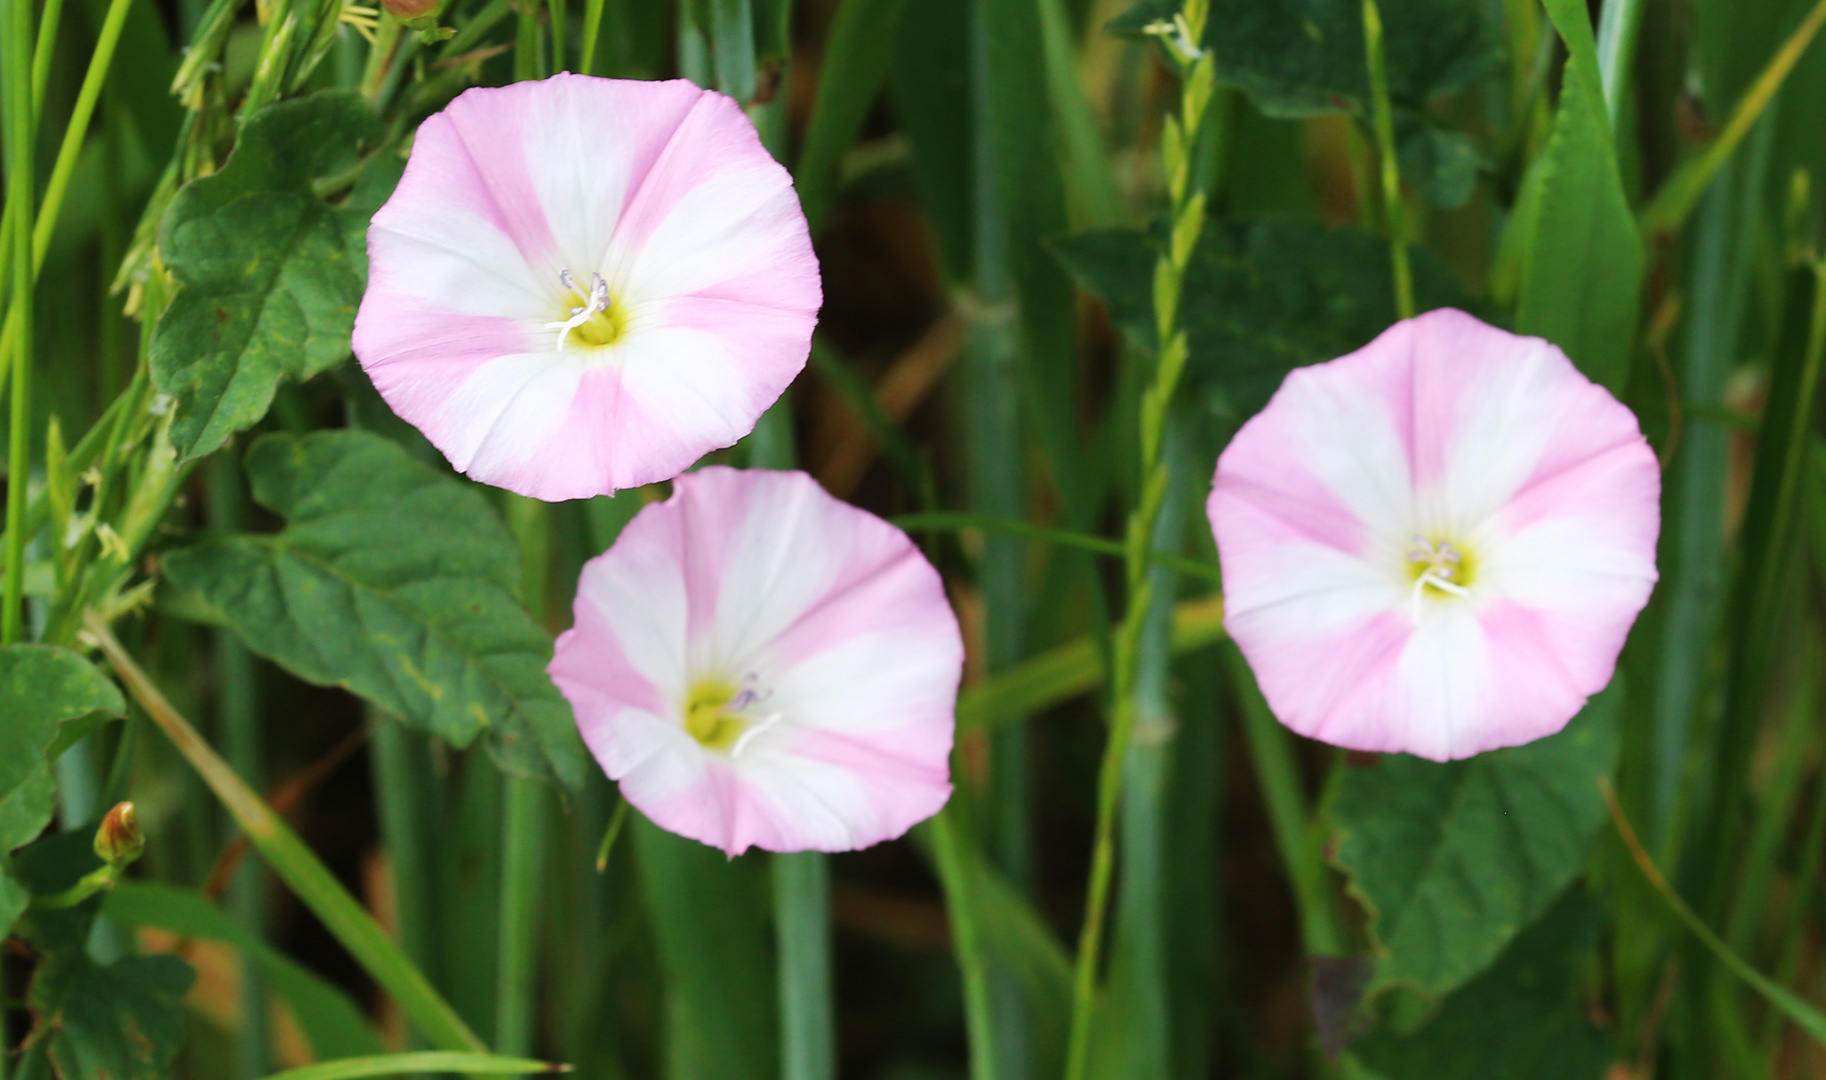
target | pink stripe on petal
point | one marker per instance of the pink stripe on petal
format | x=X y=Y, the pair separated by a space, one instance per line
x=488 y=123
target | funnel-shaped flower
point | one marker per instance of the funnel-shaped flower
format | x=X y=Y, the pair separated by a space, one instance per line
x=1436 y=544
x=585 y=284
x=760 y=664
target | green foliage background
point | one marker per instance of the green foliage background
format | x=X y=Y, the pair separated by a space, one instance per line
x=386 y=837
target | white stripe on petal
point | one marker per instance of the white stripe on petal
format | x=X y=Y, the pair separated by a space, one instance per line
x=506 y=409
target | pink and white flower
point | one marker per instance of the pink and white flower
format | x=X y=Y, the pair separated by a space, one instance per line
x=584 y=284
x=1438 y=543
x=760 y=664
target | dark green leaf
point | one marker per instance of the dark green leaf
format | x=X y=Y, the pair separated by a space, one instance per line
x=1261 y=298
x=333 y=1023
x=1443 y=165
x=1517 y=1021
x=1452 y=860
x=709 y=915
x=272 y=273
x=930 y=84
x=395 y=581
x=122 y=1021
x=48 y=698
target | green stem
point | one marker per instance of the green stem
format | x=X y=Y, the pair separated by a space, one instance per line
x=1619 y=24
x=801 y=883
x=592 y=26
x=1791 y=1006
x=1179 y=138
x=522 y=863
x=957 y=874
x=523 y=821
x=526 y=42
x=1272 y=756
x=1668 y=210
x=555 y=11
x=947 y=522
x=433 y=1061
x=294 y=862
x=16 y=99
x=1394 y=214
x=15 y=338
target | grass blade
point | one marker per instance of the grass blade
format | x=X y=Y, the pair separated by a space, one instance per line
x=294 y=862
x=394 y=1064
x=1791 y=1006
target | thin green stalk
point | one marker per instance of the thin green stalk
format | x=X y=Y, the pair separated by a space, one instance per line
x=15 y=338
x=957 y=875
x=16 y=97
x=238 y=726
x=1179 y=136
x=808 y=1041
x=1076 y=667
x=1062 y=537
x=48 y=23
x=523 y=823
x=555 y=12
x=526 y=43
x=1791 y=1006
x=1619 y=25
x=434 y=1061
x=1271 y=754
x=1758 y=593
x=592 y=26
x=1394 y=213
x=1668 y=210
x=294 y=862
x=1791 y=943
x=522 y=863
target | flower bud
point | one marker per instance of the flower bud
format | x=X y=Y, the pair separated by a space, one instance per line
x=414 y=13
x=120 y=840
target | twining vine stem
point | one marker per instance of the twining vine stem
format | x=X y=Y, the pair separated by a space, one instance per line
x=1178 y=138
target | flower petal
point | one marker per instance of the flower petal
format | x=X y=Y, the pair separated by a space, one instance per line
x=1456 y=432
x=664 y=188
x=760 y=578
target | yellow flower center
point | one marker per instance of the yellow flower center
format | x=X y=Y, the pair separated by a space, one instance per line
x=596 y=322
x=1443 y=566
x=707 y=717
x=725 y=717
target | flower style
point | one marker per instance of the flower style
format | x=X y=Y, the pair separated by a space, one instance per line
x=760 y=664
x=584 y=284
x=1436 y=544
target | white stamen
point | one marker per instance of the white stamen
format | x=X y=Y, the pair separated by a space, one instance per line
x=742 y=740
x=1441 y=561
x=597 y=300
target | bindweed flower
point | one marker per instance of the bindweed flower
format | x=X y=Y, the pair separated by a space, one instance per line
x=1436 y=544
x=584 y=284
x=759 y=664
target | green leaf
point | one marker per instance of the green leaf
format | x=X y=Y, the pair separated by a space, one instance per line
x=49 y=697
x=1452 y=860
x=121 y=1021
x=333 y=1023
x=709 y=916
x=1261 y=298
x=272 y=273
x=1519 y=1020
x=1577 y=254
x=395 y=581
